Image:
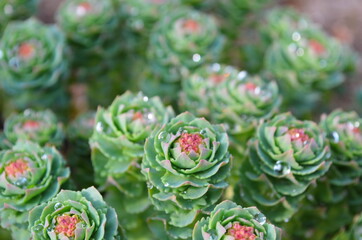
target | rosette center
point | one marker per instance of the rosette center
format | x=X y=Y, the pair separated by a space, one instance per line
x=241 y=232
x=31 y=125
x=317 y=47
x=298 y=134
x=190 y=142
x=17 y=168
x=66 y=225
x=83 y=8
x=26 y=51
x=191 y=26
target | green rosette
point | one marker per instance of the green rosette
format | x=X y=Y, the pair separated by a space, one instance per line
x=235 y=98
x=286 y=156
x=30 y=175
x=344 y=133
x=278 y=23
x=75 y=215
x=186 y=164
x=16 y=10
x=306 y=62
x=117 y=149
x=93 y=32
x=198 y=89
x=33 y=65
x=41 y=127
x=181 y=41
x=90 y=26
x=78 y=150
x=229 y=221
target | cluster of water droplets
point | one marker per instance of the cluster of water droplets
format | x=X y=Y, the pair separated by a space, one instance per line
x=282 y=168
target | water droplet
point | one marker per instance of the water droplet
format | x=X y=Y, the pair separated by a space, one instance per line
x=22 y=181
x=14 y=62
x=196 y=57
x=149 y=185
x=51 y=228
x=57 y=206
x=242 y=75
x=99 y=127
x=296 y=36
x=328 y=155
x=257 y=91
x=44 y=157
x=286 y=220
x=38 y=228
x=162 y=135
x=335 y=137
x=216 y=67
x=185 y=131
x=138 y=24
x=145 y=99
x=84 y=225
x=27 y=112
x=80 y=10
x=323 y=63
x=260 y=218
x=282 y=168
x=151 y=117
x=310 y=197
x=1 y=54
x=356 y=124
x=306 y=142
x=184 y=192
x=8 y=9
x=166 y=184
x=203 y=132
x=300 y=52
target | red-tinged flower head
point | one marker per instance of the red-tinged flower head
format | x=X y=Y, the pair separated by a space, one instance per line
x=26 y=51
x=241 y=232
x=31 y=125
x=66 y=224
x=317 y=47
x=191 y=26
x=190 y=141
x=17 y=168
x=298 y=134
x=219 y=78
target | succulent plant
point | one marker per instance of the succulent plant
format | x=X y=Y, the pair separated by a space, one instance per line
x=75 y=215
x=117 y=148
x=182 y=41
x=16 y=10
x=41 y=127
x=90 y=26
x=186 y=163
x=231 y=221
x=225 y=95
x=33 y=65
x=344 y=132
x=93 y=31
x=286 y=156
x=30 y=176
x=78 y=150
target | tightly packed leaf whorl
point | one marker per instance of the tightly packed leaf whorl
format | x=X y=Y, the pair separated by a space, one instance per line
x=186 y=164
x=74 y=215
x=33 y=64
x=286 y=156
x=343 y=129
x=117 y=147
x=30 y=175
x=181 y=41
x=230 y=221
x=41 y=127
